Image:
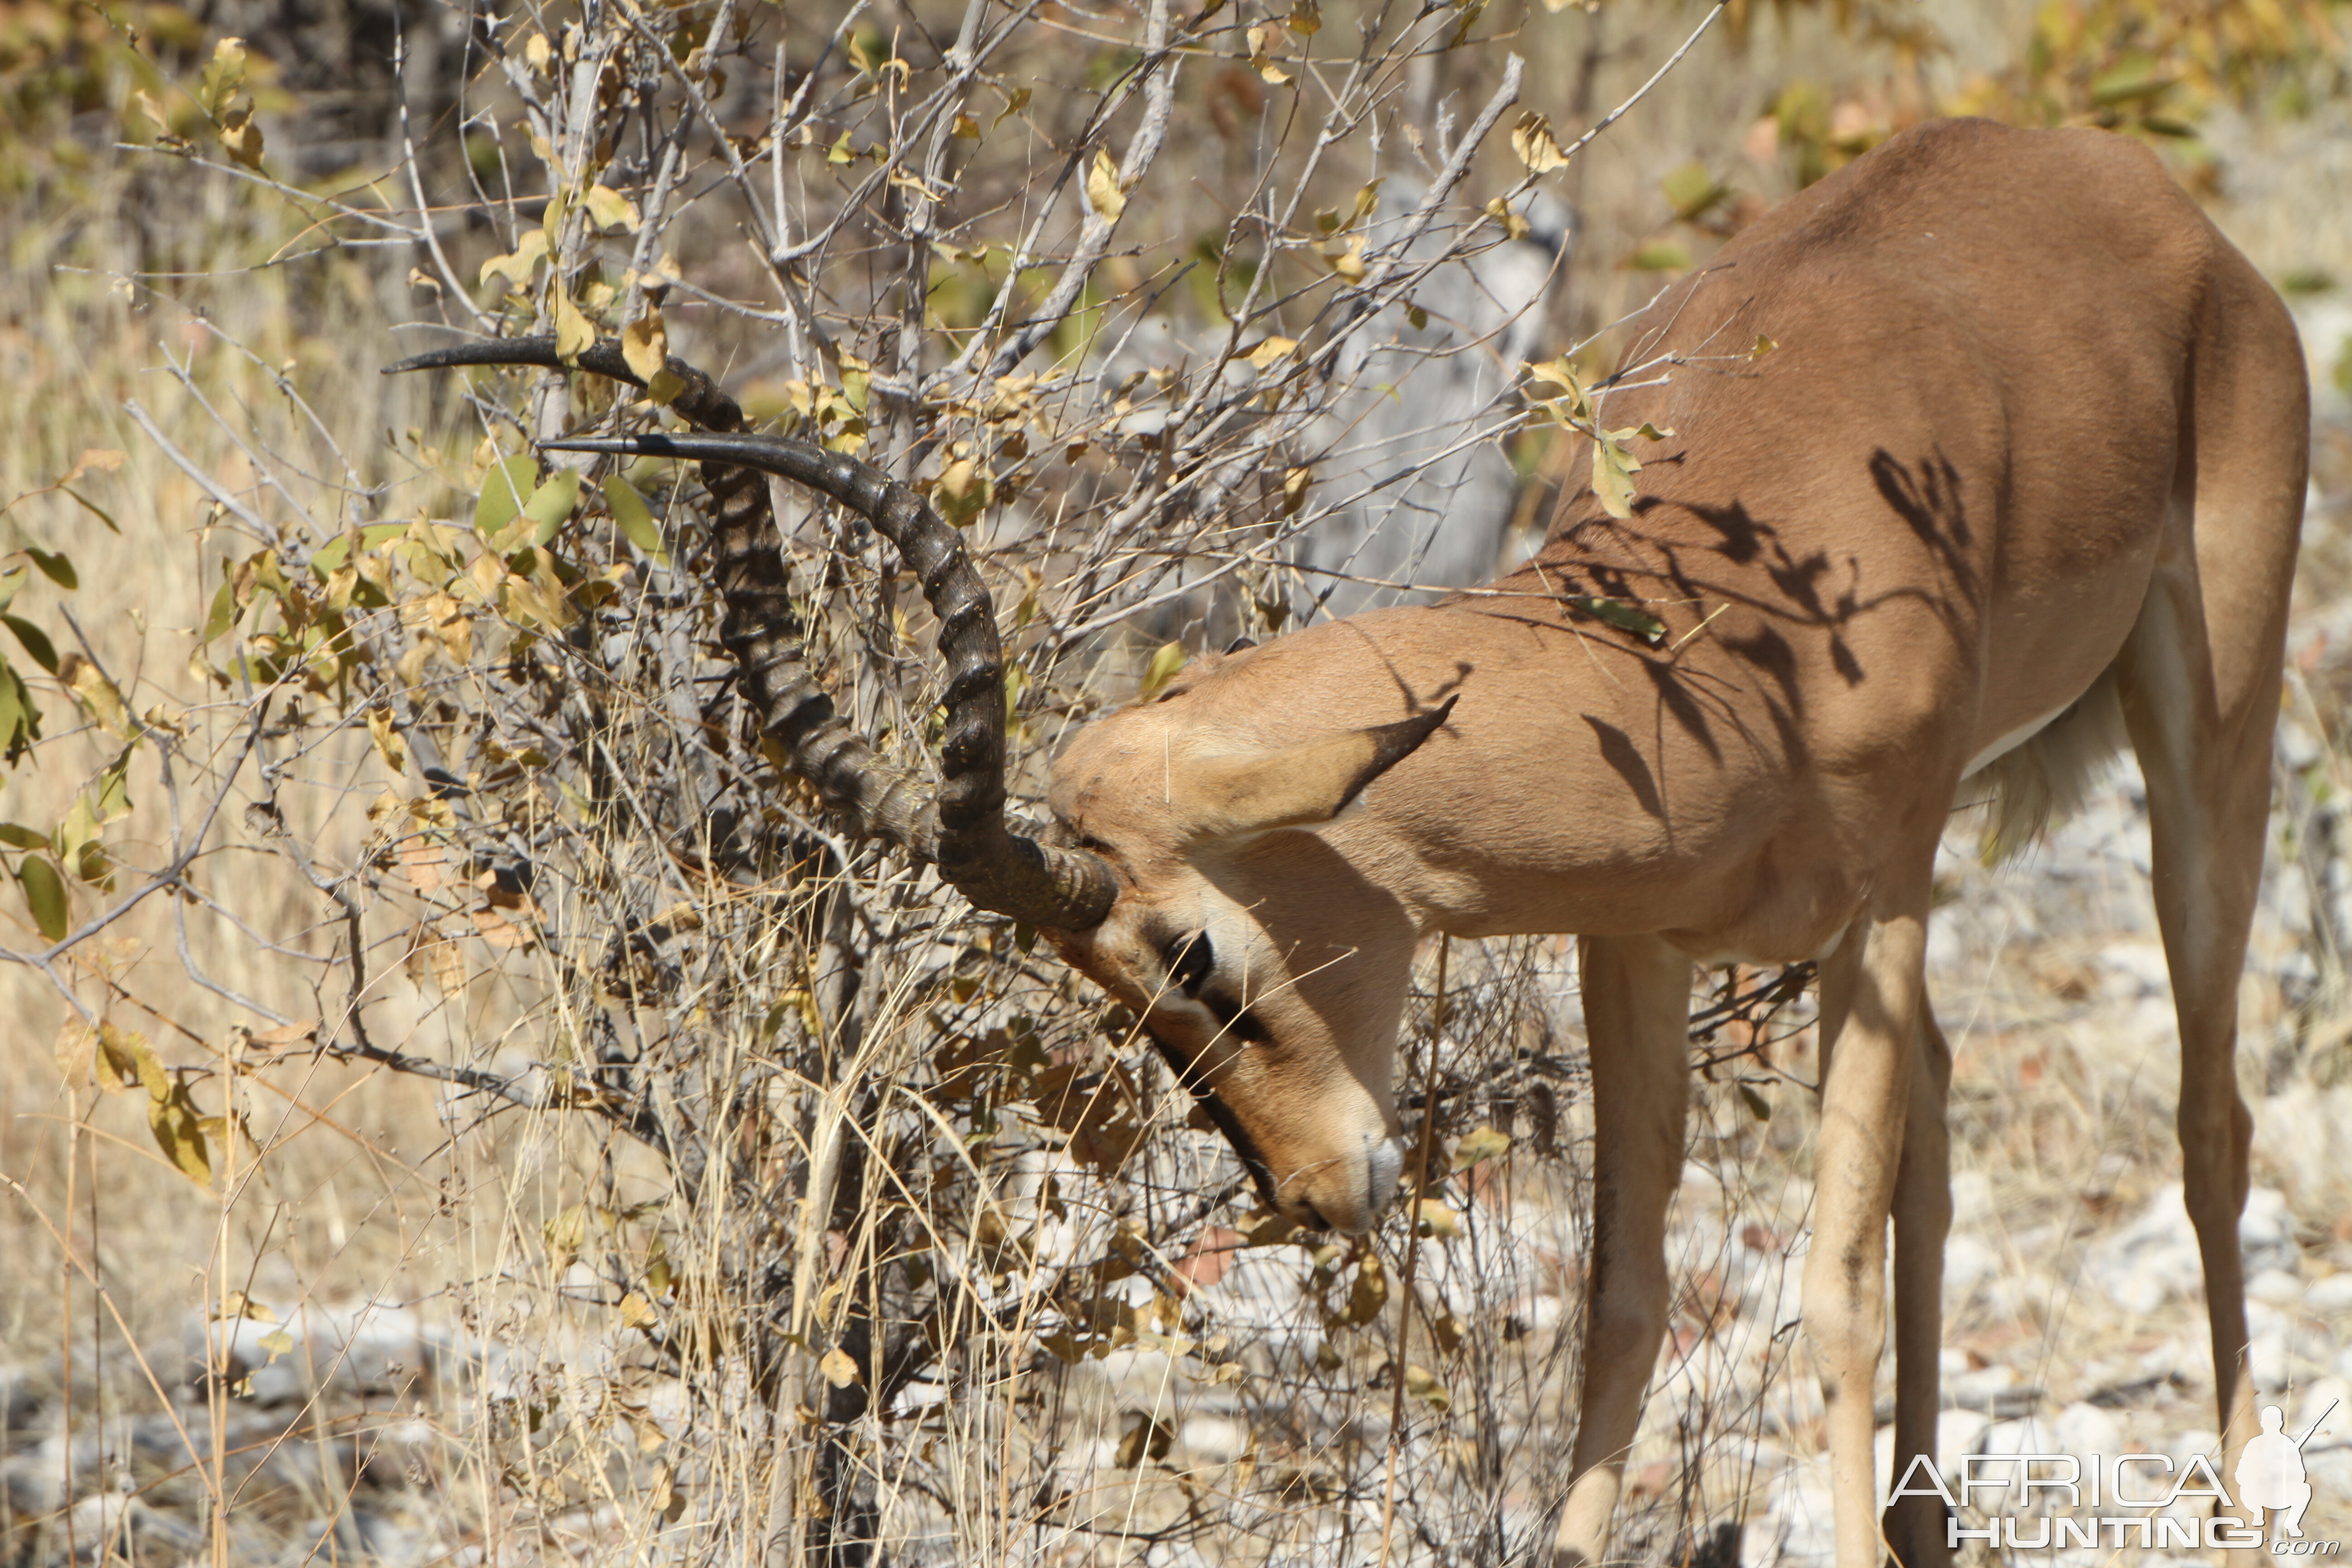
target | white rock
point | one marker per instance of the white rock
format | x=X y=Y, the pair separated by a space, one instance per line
x=2275 y=1287
x=2082 y=1428
x=2154 y=1259
x=2330 y=1297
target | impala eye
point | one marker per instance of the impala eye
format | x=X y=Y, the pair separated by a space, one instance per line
x=1190 y=961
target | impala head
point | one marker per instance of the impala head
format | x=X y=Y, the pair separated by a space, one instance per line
x=1268 y=972
x=1184 y=874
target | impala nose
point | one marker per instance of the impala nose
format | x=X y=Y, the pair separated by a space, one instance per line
x=1385 y=1163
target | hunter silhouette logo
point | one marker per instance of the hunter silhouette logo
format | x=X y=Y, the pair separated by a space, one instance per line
x=2270 y=1480
x=2271 y=1474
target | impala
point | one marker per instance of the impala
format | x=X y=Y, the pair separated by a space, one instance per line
x=2023 y=476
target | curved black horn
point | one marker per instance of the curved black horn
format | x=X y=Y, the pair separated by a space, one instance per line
x=963 y=831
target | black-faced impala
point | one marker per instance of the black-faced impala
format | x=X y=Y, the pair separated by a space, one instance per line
x=2023 y=471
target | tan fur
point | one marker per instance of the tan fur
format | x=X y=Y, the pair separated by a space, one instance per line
x=2032 y=438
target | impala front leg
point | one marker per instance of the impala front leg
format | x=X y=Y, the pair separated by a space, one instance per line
x=1872 y=991
x=1637 y=1018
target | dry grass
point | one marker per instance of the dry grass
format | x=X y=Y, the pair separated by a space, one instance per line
x=523 y=1325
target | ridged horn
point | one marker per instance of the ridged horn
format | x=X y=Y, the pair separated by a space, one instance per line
x=963 y=830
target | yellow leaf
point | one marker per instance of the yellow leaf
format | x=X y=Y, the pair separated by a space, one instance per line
x=144 y=105
x=839 y=1368
x=1012 y=105
x=242 y=138
x=573 y=335
x=387 y=740
x=645 y=343
x=1162 y=669
x=965 y=127
x=662 y=387
x=518 y=265
x=1437 y=1221
x=1294 y=490
x=1346 y=260
x=566 y=1234
x=237 y=1304
x=1514 y=226
x=539 y=52
x=1485 y=1143
x=1262 y=61
x=964 y=492
x=1306 y=18
x=608 y=209
x=638 y=1312
x=1271 y=350
x=1763 y=346
x=100 y=698
x=1613 y=468
x=1104 y=193
x=1538 y=148
x=1426 y=1386
x=172 y=1117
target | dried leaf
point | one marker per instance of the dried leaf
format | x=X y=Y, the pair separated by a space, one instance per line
x=1514 y=226
x=1306 y=18
x=1649 y=629
x=242 y=137
x=1012 y=105
x=1105 y=194
x=1428 y=1387
x=518 y=265
x=1613 y=468
x=839 y=1367
x=608 y=209
x=1262 y=61
x=1538 y=148
x=387 y=740
x=965 y=128
x=1762 y=346
x=1436 y=1221
x=173 y=1118
x=1269 y=351
x=644 y=344
x=964 y=492
x=236 y=1304
x=637 y=1312
x=573 y=334
x=1484 y=1143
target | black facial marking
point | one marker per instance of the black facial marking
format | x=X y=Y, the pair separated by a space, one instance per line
x=1239 y=1022
x=1189 y=960
x=1244 y=1147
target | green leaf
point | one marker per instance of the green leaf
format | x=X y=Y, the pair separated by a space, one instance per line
x=222 y=615
x=16 y=836
x=36 y=641
x=102 y=514
x=54 y=567
x=20 y=721
x=1162 y=669
x=1484 y=1143
x=1625 y=616
x=114 y=787
x=1758 y=1106
x=1661 y=256
x=633 y=517
x=11 y=582
x=44 y=895
x=1691 y=190
x=329 y=556
x=549 y=505
x=506 y=484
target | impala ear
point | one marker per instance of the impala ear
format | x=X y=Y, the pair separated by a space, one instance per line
x=1297 y=786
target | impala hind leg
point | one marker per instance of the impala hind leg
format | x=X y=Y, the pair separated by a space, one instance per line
x=2208 y=769
x=1915 y=1526
x=1873 y=990
x=1637 y=1016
